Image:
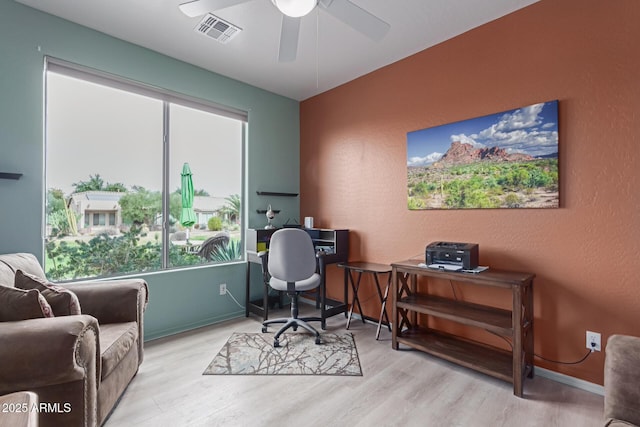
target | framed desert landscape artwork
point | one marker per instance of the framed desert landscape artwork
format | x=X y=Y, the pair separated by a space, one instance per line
x=502 y=160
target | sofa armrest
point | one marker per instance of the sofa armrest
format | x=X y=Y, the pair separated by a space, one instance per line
x=112 y=301
x=115 y=301
x=41 y=352
x=621 y=379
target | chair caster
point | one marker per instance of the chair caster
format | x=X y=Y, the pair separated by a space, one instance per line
x=276 y=343
x=264 y=329
x=294 y=327
x=317 y=340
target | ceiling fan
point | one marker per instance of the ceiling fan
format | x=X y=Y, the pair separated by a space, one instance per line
x=293 y=11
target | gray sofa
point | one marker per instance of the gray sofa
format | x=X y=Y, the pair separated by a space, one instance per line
x=622 y=381
x=82 y=363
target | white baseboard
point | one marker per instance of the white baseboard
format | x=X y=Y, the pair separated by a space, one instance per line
x=571 y=381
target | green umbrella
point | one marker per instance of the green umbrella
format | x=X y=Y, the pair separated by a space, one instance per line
x=188 y=216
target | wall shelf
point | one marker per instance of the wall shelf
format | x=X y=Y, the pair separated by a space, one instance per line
x=276 y=193
x=8 y=175
x=264 y=211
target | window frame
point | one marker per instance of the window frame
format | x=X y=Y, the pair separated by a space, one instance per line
x=167 y=97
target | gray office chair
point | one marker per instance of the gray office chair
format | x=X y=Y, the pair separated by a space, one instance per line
x=292 y=267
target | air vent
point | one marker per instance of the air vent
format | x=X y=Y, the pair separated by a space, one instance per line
x=217 y=28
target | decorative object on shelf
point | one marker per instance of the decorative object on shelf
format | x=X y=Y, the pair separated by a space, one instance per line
x=308 y=222
x=270 y=215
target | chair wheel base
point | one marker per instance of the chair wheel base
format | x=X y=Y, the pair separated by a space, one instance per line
x=276 y=343
x=317 y=340
x=264 y=329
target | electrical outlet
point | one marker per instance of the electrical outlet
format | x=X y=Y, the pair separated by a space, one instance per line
x=593 y=341
x=223 y=289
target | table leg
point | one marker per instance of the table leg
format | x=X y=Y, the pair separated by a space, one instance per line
x=403 y=289
x=265 y=300
x=355 y=300
x=414 y=290
x=248 y=290
x=346 y=291
x=394 y=309
x=518 y=356
x=383 y=301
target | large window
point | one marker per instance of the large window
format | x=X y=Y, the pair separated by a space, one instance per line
x=138 y=179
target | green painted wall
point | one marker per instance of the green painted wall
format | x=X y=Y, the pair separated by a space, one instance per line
x=179 y=300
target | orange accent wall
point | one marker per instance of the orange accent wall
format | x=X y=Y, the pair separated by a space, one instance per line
x=586 y=54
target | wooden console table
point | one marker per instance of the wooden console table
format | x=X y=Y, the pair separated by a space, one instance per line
x=515 y=324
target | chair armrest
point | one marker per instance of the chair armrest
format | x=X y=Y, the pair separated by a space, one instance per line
x=112 y=301
x=115 y=301
x=41 y=352
x=621 y=379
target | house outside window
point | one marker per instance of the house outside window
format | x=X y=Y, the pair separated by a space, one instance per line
x=96 y=209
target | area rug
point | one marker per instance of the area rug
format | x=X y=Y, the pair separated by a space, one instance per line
x=298 y=354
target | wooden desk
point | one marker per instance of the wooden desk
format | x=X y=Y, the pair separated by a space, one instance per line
x=333 y=243
x=373 y=269
x=515 y=324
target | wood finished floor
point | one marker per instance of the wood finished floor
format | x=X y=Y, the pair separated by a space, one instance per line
x=398 y=388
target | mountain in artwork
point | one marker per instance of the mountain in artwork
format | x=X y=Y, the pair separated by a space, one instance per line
x=461 y=154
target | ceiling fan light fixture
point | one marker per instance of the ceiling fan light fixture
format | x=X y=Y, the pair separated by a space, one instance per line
x=295 y=8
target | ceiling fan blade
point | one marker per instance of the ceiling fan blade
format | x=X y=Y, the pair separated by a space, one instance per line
x=200 y=7
x=289 y=39
x=357 y=18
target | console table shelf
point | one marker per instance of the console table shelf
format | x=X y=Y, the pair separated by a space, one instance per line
x=516 y=324
x=489 y=318
x=470 y=354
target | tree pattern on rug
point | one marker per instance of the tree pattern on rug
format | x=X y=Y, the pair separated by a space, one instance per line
x=254 y=354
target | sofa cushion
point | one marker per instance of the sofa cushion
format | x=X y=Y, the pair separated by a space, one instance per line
x=10 y=263
x=63 y=302
x=621 y=379
x=116 y=339
x=20 y=304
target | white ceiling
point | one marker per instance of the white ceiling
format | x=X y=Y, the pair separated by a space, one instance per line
x=329 y=52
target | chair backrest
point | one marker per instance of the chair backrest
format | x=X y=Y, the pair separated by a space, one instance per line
x=292 y=256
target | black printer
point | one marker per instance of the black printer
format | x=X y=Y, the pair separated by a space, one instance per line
x=463 y=255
